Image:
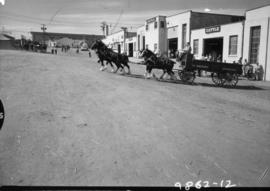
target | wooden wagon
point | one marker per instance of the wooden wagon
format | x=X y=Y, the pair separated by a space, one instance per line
x=223 y=74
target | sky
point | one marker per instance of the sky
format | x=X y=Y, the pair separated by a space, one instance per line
x=85 y=16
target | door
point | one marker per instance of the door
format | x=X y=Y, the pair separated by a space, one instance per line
x=130 y=49
x=143 y=42
x=119 y=48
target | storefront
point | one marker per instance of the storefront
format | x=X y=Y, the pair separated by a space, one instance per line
x=131 y=46
x=180 y=27
x=172 y=41
x=118 y=40
x=218 y=43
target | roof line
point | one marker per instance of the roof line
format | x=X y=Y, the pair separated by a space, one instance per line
x=179 y=13
x=258 y=7
x=217 y=14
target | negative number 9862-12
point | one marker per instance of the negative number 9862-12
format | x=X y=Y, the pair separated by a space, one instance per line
x=204 y=184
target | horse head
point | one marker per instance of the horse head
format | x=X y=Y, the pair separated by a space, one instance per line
x=147 y=54
x=97 y=45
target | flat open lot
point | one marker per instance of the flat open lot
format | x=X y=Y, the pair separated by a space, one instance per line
x=67 y=123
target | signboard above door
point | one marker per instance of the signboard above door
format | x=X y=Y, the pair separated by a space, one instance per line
x=214 y=29
x=151 y=20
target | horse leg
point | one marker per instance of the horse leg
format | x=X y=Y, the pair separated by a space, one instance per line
x=112 y=66
x=149 y=73
x=161 y=77
x=128 y=68
x=145 y=74
x=105 y=66
x=173 y=75
x=102 y=65
x=117 y=68
x=123 y=69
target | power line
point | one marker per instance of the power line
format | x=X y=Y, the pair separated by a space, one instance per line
x=39 y=20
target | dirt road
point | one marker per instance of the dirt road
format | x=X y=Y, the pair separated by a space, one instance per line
x=67 y=123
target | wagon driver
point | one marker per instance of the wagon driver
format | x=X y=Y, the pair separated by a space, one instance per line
x=185 y=51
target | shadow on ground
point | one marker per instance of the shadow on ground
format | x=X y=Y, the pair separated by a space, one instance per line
x=240 y=87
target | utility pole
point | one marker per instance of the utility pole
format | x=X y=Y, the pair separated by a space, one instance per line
x=43 y=28
x=125 y=35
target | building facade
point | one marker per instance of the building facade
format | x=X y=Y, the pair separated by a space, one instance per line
x=223 y=42
x=256 y=38
x=140 y=38
x=121 y=41
x=155 y=34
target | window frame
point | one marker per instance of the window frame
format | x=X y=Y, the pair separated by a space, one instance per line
x=155 y=25
x=233 y=47
x=196 y=47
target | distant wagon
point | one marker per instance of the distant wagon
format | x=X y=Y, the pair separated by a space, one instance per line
x=84 y=47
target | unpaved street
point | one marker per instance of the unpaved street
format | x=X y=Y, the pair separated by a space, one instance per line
x=67 y=123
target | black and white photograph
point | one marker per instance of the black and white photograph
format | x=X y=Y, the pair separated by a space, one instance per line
x=135 y=93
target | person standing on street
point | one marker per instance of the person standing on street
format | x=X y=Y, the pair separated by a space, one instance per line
x=89 y=53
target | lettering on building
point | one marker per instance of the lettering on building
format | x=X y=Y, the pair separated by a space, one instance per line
x=212 y=29
x=151 y=20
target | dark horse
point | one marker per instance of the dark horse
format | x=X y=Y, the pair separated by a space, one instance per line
x=152 y=62
x=106 y=54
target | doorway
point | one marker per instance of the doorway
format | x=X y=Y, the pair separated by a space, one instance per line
x=119 y=48
x=173 y=45
x=213 y=47
x=130 y=49
x=143 y=43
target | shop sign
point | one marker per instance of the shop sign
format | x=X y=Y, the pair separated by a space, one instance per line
x=212 y=29
x=151 y=20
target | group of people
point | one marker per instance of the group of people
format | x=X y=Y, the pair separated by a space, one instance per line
x=253 y=71
x=210 y=57
x=65 y=48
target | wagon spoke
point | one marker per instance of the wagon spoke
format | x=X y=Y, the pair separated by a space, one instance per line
x=230 y=80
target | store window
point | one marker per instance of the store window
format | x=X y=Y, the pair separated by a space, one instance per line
x=233 y=45
x=162 y=24
x=184 y=35
x=196 y=47
x=255 y=33
x=155 y=46
x=139 y=43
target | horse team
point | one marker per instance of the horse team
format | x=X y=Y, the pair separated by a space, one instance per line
x=121 y=60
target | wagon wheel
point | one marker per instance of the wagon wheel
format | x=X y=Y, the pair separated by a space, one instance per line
x=180 y=74
x=186 y=76
x=230 y=80
x=217 y=78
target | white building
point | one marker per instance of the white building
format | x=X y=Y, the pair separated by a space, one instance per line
x=173 y=32
x=256 y=38
x=180 y=26
x=220 y=40
x=117 y=40
x=141 y=38
x=155 y=34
